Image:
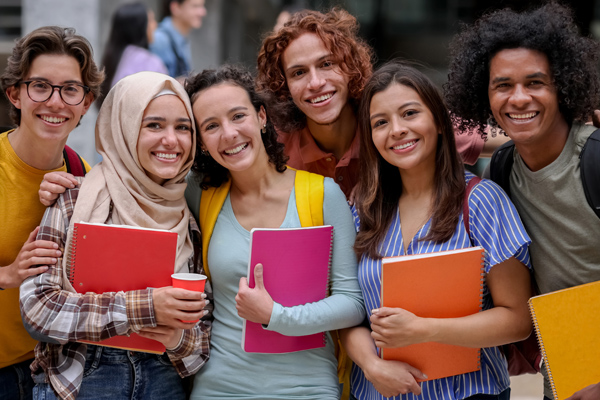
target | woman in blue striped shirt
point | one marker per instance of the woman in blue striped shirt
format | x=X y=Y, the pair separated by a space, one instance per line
x=409 y=201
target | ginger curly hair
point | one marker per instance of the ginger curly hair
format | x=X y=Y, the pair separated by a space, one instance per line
x=339 y=32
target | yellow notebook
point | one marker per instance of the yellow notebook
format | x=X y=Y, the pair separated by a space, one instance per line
x=568 y=327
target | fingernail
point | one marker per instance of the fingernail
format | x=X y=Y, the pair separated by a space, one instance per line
x=204 y=312
x=206 y=302
x=203 y=296
x=58 y=253
x=54 y=260
x=374 y=311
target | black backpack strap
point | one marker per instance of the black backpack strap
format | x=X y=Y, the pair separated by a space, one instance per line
x=501 y=165
x=589 y=164
x=73 y=162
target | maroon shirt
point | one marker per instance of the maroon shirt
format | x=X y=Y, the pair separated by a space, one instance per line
x=305 y=154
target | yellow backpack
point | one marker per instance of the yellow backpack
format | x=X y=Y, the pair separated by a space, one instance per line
x=309 y=190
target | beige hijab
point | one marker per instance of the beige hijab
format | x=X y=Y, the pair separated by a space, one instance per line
x=120 y=180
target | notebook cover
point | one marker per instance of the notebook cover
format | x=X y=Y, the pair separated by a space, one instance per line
x=446 y=284
x=567 y=323
x=112 y=258
x=296 y=266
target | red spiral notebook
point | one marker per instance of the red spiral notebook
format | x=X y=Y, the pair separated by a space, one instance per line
x=446 y=284
x=113 y=258
x=296 y=266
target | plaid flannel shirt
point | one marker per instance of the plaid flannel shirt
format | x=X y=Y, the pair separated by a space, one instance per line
x=60 y=318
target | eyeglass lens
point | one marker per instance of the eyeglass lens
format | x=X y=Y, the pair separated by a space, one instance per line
x=41 y=91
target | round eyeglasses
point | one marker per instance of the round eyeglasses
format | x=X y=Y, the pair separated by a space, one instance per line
x=71 y=93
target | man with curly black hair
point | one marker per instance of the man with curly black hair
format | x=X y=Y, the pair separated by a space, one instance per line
x=537 y=78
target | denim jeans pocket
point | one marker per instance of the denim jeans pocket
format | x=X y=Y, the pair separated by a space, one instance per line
x=92 y=360
x=164 y=359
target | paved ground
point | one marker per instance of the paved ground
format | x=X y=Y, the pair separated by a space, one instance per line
x=527 y=387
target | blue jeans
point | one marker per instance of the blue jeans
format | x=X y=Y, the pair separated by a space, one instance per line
x=114 y=374
x=16 y=382
x=505 y=395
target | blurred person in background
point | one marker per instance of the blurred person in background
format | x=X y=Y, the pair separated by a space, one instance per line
x=126 y=51
x=171 y=38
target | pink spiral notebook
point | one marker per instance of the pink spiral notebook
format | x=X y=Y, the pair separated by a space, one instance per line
x=296 y=266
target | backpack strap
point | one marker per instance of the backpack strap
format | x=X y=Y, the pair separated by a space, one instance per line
x=501 y=165
x=73 y=162
x=589 y=164
x=474 y=181
x=309 y=190
x=181 y=67
x=211 y=202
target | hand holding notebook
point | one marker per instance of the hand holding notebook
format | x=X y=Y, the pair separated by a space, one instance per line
x=295 y=270
x=254 y=304
x=395 y=327
x=427 y=285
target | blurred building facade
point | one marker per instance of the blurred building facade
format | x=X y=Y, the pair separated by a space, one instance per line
x=233 y=29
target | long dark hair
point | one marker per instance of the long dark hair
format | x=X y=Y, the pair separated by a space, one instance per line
x=214 y=173
x=129 y=27
x=380 y=186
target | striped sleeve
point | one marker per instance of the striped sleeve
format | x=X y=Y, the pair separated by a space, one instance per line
x=496 y=226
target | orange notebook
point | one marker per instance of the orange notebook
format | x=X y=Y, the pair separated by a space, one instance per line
x=295 y=271
x=112 y=258
x=445 y=284
x=567 y=323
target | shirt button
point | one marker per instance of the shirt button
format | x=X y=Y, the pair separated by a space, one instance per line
x=340 y=178
x=328 y=159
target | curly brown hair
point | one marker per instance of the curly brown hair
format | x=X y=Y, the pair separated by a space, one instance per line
x=50 y=40
x=214 y=173
x=549 y=29
x=339 y=32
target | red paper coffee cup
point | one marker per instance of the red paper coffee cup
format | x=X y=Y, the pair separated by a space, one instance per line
x=189 y=281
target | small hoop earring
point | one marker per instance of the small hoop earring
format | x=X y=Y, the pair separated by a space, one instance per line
x=204 y=153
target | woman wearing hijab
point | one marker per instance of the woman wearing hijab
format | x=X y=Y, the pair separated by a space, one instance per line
x=145 y=135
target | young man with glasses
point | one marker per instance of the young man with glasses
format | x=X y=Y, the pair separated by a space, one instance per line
x=50 y=80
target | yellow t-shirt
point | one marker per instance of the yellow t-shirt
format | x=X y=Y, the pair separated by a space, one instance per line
x=20 y=212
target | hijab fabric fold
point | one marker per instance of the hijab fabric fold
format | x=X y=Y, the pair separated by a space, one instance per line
x=120 y=182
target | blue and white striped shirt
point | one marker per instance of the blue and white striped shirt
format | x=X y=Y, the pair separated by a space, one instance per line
x=494 y=225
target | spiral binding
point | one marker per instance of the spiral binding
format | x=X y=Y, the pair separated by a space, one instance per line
x=481 y=291
x=71 y=256
x=328 y=293
x=542 y=349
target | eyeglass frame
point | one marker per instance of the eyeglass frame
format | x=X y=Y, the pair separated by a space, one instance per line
x=86 y=90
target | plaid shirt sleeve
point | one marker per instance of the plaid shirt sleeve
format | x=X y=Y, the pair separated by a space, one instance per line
x=64 y=316
x=193 y=349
